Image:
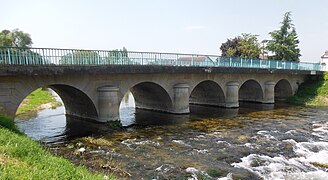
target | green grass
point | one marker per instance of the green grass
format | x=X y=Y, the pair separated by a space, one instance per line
x=32 y=103
x=8 y=124
x=23 y=158
x=312 y=93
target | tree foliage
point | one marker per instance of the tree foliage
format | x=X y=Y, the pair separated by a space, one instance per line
x=245 y=46
x=249 y=46
x=15 y=38
x=230 y=47
x=284 y=43
x=80 y=57
x=118 y=56
x=23 y=55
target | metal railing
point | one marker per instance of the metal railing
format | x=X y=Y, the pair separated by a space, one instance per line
x=46 y=56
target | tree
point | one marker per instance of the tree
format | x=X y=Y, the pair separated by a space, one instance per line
x=5 y=38
x=119 y=56
x=81 y=57
x=284 y=43
x=230 y=47
x=249 y=46
x=15 y=38
x=20 y=39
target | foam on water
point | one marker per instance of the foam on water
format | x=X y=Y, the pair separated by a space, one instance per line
x=181 y=142
x=321 y=130
x=228 y=177
x=298 y=167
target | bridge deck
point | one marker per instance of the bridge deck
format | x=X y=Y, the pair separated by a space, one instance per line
x=14 y=70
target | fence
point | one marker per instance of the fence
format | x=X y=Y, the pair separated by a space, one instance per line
x=46 y=56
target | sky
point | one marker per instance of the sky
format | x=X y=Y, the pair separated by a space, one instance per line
x=183 y=26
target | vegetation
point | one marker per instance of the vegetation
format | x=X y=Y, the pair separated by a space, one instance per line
x=249 y=46
x=284 y=43
x=35 y=102
x=23 y=158
x=322 y=165
x=8 y=124
x=230 y=47
x=215 y=173
x=312 y=93
x=244 y=46
x=80 y=57
x=15 y=38
x=90 y=57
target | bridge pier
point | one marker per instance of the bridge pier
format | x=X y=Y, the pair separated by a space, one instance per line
x=231 y=99
x=181 y=99
x=108 y=103
x=268 y=97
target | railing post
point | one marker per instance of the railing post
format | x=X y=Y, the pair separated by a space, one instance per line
x=141 y=58
x=9 y=56
x=230 y=62
x=98 y=59
x=291 y=65
x=72 y=57
x=43 y=56
x=192 y=60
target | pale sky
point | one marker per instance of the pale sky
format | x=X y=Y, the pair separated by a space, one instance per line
x=186 y=26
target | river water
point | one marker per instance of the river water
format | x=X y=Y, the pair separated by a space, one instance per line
x=254 y=141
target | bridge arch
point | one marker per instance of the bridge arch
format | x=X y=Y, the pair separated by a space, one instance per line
x=250 y=91
x=207 y=92
x=151 y=96
x=282 y=90
x=76 y=102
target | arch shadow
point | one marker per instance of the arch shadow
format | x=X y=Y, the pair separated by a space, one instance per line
x=250 y=91
x=151 y=96
x=75 y=101
x=282 y=90
x=207 y=93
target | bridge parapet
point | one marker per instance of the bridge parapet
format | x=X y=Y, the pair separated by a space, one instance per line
x=78 y=57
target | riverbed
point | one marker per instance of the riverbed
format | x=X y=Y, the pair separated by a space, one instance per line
x=255 y=141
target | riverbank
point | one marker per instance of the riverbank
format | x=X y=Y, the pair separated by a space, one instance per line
x=38 y=100
x=23 y=158
x=312 y=93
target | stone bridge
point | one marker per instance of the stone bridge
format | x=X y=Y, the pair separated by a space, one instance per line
x=95 y=92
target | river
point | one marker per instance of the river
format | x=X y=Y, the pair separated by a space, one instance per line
x=255 y=141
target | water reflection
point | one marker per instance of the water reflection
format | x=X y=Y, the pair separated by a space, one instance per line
x=48 y=126
x=127 y=110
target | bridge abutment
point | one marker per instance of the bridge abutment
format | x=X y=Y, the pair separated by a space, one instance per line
x=108 y=103
x=232 y=94
x=181 y=99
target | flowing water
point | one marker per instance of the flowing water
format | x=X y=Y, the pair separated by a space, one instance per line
x=254 y=141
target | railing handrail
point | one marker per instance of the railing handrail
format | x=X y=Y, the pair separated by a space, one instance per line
x=150 y=52
x=58 y=55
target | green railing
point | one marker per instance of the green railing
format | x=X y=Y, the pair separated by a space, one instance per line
x=47 y=56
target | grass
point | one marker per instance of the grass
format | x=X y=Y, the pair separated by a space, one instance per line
x=312 y=93
x=34 y=102
x=8 y=124
x=23 y=158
